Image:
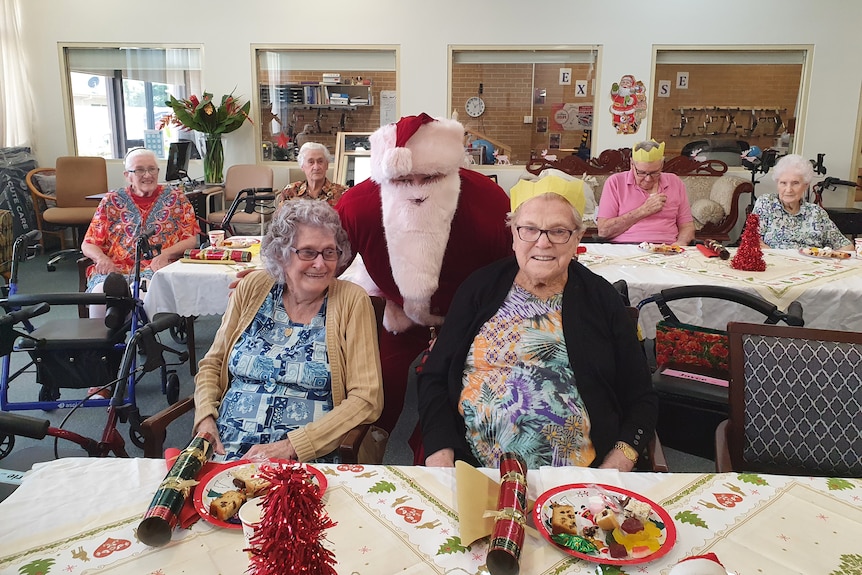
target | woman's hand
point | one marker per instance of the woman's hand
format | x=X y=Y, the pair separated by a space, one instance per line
x=208 y=425
x=239 y=275
x=617 y=460
x=104 y=265
x=442 y=458
x=160 y=261
x=278 y=450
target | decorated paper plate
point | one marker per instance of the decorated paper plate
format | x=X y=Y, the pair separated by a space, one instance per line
x=220 y=480
x=241 y=241
x=825 y=253
x=661 y=248
x=582 y=507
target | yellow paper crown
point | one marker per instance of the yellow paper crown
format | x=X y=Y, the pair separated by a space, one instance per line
x=571 y=190
x=641 y=155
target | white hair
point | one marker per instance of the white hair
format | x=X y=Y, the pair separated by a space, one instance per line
x=136 y=152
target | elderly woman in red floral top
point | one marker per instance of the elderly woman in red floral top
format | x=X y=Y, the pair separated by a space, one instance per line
x=122 y=214
x=314 y=161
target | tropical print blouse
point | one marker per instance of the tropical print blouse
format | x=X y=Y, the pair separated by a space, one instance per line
x=330 y=193
x=519 y=390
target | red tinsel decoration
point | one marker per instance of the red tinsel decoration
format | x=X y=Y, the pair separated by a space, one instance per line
x=289 y=538
x=749 y=255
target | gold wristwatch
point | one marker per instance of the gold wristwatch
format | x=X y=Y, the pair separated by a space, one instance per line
x=627 y=450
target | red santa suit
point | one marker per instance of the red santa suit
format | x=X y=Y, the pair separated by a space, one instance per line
x=419 y=242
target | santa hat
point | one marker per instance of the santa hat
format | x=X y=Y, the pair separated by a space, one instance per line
x=416 y=145
x=699 y=565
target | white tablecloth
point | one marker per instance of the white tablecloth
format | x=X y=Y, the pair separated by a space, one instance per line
x=830 y=291
x=78 y=515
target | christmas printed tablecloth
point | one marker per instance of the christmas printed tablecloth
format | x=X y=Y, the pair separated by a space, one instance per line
x=403 y=520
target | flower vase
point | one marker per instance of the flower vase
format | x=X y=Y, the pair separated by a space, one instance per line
x=213 y=157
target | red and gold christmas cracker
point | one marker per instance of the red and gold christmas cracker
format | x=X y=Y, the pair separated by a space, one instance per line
x=511 y=517
x=211 y=254
x=163 y=513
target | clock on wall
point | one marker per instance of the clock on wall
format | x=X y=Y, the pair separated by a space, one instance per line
x=475 y=107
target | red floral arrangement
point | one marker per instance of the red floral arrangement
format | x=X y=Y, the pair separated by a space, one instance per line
x=690 y=345
x=289 y=538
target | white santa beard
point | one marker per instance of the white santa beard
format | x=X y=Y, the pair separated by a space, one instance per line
x=416 y=236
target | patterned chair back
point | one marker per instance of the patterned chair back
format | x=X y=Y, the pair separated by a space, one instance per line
x=795 y=400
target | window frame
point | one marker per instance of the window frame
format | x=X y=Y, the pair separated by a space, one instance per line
x=66 y=85
x=256 y=110
x=739 y=51
x=593 y=53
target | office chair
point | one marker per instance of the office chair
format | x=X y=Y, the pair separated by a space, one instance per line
x=238 y=178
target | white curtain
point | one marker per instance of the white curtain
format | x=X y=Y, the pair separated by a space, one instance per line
x=16 y=104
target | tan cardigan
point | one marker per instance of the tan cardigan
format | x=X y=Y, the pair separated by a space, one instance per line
x=351 y=343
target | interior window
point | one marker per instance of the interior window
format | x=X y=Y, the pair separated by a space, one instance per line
x=312 y=94
x=716 y=103
x=116 y=95
x=523 y=102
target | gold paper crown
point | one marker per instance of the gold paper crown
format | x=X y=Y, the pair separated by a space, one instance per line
x=641 y=155
x=571 y=190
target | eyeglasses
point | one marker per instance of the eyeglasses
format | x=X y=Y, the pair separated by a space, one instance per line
x=555 y=236
x=641 y=174
x=329 y=254
x=142 y=171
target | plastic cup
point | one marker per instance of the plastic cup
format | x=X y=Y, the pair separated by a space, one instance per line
x=250 y=515
x=216 y=238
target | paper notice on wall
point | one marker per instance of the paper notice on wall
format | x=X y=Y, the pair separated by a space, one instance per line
x=387 y=107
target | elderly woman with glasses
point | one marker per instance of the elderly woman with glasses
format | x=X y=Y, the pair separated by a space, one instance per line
x=537 y=356
x=294 y=365
x=143 y=205
x=314 y=161
x=644 y=204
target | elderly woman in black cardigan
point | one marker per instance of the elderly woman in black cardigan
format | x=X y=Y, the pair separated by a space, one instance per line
x=537 y=356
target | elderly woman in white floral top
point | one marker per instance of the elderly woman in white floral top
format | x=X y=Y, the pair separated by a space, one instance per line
x=314 y=160
x=786 y=221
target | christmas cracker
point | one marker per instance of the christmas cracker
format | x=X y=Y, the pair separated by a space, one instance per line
x=511 y=517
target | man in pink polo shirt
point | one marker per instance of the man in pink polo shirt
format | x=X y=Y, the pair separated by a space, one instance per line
x=644 y=204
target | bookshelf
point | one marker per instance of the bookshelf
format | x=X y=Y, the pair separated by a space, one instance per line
x=318 y=95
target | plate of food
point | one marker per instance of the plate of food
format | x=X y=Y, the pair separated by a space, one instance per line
x=221 y=492
x=825 y=253
x=241 y=242
x=669 y=249
x=604 y=524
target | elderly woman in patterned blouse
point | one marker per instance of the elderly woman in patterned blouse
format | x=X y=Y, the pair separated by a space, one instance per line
x=786 y=221
x=314 y=161
x=294 y=365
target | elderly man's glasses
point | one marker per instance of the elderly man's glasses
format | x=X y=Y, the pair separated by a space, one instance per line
x=641 y=174
x=142 y=171
x=555 y=235
x=329 y=254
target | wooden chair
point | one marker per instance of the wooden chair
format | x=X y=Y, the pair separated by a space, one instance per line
x=77 y=177
x=238 y=178
x=795 y=402
x=154 y=428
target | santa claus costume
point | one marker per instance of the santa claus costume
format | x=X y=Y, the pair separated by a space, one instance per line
x=422 y=223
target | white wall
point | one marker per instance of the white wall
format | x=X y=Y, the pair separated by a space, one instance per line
x=626 y=30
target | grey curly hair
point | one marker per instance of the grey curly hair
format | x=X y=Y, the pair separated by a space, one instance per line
x=275 y=248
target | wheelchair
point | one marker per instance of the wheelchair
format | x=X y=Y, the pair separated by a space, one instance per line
x=82 y=353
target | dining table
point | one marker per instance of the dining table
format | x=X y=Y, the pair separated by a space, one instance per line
x=80 y=515
x=828 y=289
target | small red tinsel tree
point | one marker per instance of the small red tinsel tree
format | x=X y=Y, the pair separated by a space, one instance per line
x=289 y=537
x=749 y=255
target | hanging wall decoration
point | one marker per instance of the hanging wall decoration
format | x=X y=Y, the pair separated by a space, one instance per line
x=629 y=104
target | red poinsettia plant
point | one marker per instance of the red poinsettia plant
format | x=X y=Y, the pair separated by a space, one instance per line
x=203 y=115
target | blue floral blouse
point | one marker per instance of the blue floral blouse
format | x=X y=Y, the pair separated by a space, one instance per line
x=280 y=378
x=811 y=227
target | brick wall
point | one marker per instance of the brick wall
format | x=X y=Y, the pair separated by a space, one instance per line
x=508 y=98
x=362 y=119
x=743 y=86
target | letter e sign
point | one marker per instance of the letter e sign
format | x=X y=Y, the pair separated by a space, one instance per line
x=682 y=80
x=565 y=76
